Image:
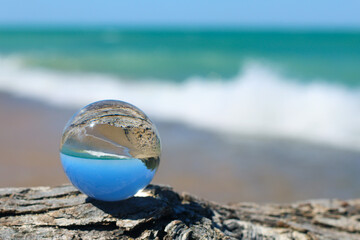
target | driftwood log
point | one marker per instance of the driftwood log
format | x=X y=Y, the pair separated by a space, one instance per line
x=160 y=213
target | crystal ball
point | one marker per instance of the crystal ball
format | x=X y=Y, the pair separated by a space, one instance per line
x=110 y=150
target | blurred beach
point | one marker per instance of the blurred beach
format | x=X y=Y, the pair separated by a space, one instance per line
x=264 y=116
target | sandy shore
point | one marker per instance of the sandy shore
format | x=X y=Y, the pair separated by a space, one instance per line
x=199 y=162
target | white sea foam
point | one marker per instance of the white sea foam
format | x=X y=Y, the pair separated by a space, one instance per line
x=257 y=102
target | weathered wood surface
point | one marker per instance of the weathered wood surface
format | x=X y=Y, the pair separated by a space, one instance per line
x=64 y=213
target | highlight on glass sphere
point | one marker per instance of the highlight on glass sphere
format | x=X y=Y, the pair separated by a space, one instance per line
x=110 y=150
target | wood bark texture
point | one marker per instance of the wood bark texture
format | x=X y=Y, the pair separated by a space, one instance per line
x=160 y=213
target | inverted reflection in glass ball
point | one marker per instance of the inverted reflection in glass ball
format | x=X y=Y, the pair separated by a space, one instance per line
x=110 y=150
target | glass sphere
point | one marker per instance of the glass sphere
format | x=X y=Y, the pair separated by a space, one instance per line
x=110 y=150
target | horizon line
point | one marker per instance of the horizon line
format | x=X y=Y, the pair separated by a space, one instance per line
x=179 y=27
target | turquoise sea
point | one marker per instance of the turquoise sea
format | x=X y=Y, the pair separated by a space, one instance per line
x=170 y=55
x=288 y=84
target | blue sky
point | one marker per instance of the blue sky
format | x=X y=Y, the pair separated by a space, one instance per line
x=281 y=13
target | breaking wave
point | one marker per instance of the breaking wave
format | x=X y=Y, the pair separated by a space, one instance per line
x=258 y=101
